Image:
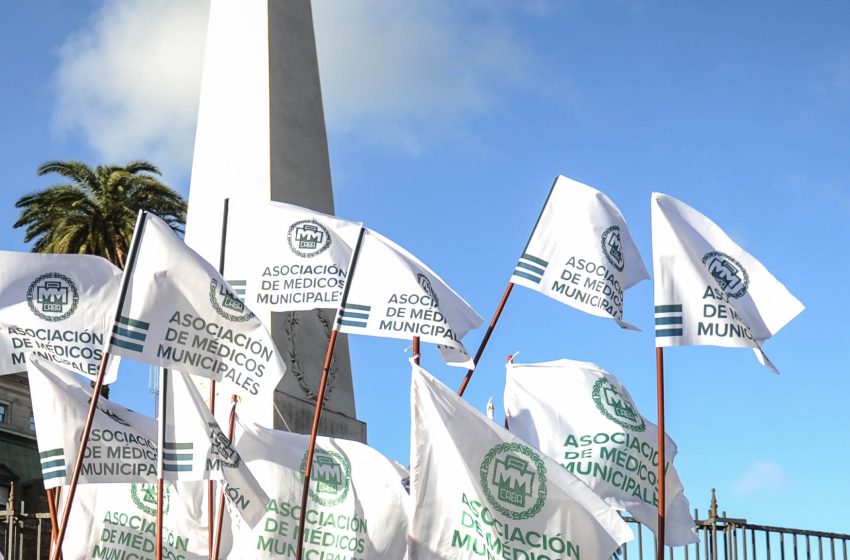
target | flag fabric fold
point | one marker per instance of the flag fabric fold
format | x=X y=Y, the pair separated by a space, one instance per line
x=393 y=294
x=178 y=312
x=307 y=269
x=479 y=491
x=581 y=252
x=59 y=307
x=357 y=505
x=122 y=446
x=708 y=290
x=195 y=448
x=584 y=418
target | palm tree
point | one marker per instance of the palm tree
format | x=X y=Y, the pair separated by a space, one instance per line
x=94 y=213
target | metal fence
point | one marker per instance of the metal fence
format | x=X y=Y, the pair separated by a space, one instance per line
x=23 y=535
x=727 y=538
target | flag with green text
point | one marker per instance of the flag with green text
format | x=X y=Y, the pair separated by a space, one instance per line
x=479 y=491
x=357 y=506
x=581 y=252
x=708 y=290
x=58 y=307
x=178 y=312
x=393 y=294
x=584 y=418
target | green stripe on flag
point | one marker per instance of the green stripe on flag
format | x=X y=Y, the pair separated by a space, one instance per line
x=669 y=332
x=532 y=258
x=176 y=445
x=668 y=308
x=51 y=453
x=668 y=320
x=358 y=307
x=134 y=323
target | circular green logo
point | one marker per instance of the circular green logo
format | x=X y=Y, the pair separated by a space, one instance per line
x=227 y=304
x=729 y=274
x=617 y=405
x=612 y=246
x=513 y=477
x=53 y=297
x=308 y=238
x=144 y=496
x=330 y=478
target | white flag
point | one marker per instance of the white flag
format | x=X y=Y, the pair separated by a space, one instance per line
x=179 y=313
x=583 y=417
x=119 y=521
x=581 y=252
x=357 y=505
x=479 y=491
x=59 y=307
x=121 y=448
x=709 y=291
x=306 y=266
x=392 y=294
x=195 y=448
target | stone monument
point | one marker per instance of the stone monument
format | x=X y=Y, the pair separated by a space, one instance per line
x=261 y=135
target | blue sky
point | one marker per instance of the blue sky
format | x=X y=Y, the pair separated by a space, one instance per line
x=448 y=121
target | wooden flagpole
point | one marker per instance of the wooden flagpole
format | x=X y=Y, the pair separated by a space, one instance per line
x=220 y=522
x=320 y=397
x=486 y=339
x=502 y=303
x=52 y=503
x=160 y=487
x=416 y=347
x=659 y=366
x=101 y=373
x=210 y=483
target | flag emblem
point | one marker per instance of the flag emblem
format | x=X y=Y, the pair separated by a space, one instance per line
x=612 y=247
x=144 y=496
x=330 y=478
x=130 y=334
x=53 y=464
x=177 y=457
x=668 y=320
x=53 y=297
x=616 y=405
x=224 y=301
x=354 y=315
x=308 y=238
x=221 y=446
x=513 y=477
x=729 y=274
x=425 y=283
x=530 y=268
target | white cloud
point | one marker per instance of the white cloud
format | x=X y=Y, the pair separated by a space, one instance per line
x=403 y=75
x=129 y=82
x=762 y=476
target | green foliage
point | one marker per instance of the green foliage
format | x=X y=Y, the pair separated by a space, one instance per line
x=95 y=211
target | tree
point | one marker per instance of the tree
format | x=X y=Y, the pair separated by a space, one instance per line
x=94 y=213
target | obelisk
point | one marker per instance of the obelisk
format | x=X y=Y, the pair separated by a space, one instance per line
x=261 y=135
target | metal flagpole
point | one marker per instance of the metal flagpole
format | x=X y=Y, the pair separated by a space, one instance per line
x=486 y=339
x=101 y=372
x=659 y=366
x=217 y=548
x=320 y=397
x=416 y=350
x=210 y=483
x=501 y=303
x=163 y=416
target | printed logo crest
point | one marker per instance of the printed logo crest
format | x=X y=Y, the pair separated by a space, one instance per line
x=110 y=414
x=612 y=246
x=729 y=274
x=221 y=447
x=330 y=478
x=617 y=406
x=425 y=284
x=513 y=477
x=227 y=303
x=144 y=496
x=53 y=297
x=308 y=238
